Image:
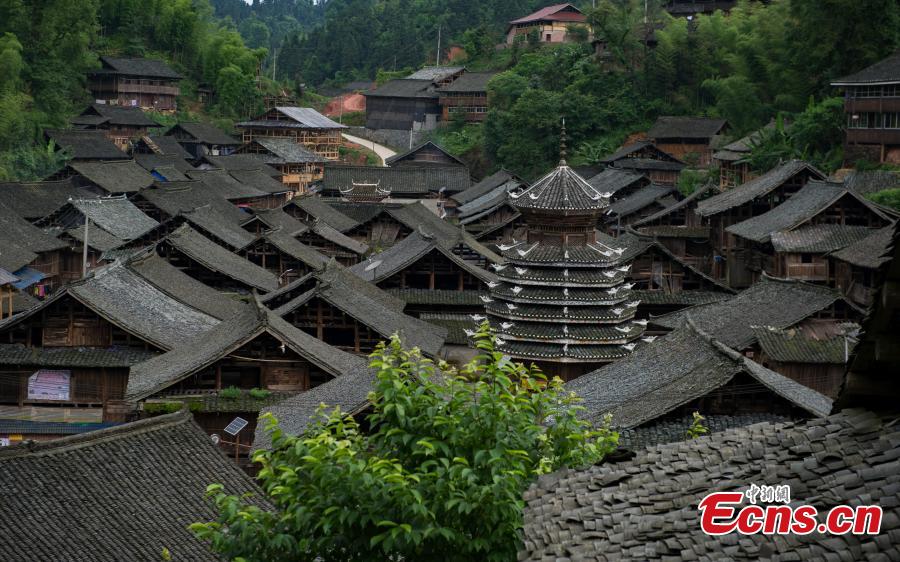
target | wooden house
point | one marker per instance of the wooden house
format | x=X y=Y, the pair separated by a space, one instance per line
x=303 y=125
x=200 y=139
x=678 y=227
x=856 y=265
x=733 y=159
x=344 y=311
x=316 y=234
x=792 y=239
x=404 y=104
x=467 y=95
x=299 y=167
x=312 y=209
x=135 y=82
x=29 y=253
x=816 y=363
x=872 y=110
x=549 y=25
x=122 y=124
x=426 y=154
x=689 y=139
x=645 y=158
x=750 y=199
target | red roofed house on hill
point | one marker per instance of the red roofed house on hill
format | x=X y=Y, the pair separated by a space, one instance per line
x=551 y=23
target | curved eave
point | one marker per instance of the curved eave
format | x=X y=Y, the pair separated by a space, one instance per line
x=554 y=302
x=556 y=319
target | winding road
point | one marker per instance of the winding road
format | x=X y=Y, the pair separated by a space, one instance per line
x=383 y=152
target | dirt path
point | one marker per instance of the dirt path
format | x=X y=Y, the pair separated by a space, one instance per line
x=383 y=152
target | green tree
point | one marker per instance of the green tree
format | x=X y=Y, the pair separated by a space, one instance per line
x=439 y=476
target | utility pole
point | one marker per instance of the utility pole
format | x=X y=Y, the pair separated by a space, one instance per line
x=274 y=62
x=437 y=61
x=84 y=253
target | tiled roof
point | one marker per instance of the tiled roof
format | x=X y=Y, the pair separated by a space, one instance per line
x=872 y=181
x=86 y=145
x=640 y=199
x=450 y=297
x=286 y=243
x=140 y=67
x=790 y=346
x=114 y=177
x=667 y=231
x=885 y=71
x=818 y=238
x=17 y=230
x=286 y=151
x=682 y=298
x=562 y=353
x=117 y=216
x=98 y=239
x=870 y=252
x=698 y=193
x=297 y=117
x=675 y=370
x=152 y=161
x=674 y=429
x=34 y=200
x=206 y=133
x=685 y=128
x=249 y=322
x=318 y=208
x=224 y=185
x=646 y=507
x=259 y=180
x=470 y=82
x=431 y=145
x=553 y=13
x=455 y=324
x=435 y=73
x=117 y=115
x=641 y=164
x=31 y=427
x=780 y=303
x=243 y=162
x=127 y=492
x=17 y=354
x=485 y=186
x=404 y=88
x=400 y=181
x=217 y=259
x=612 y=180
x=814 y=198
x=560 y=190
x=169 y=146
x=13 y=256
x=755 y=188
x=212 y=222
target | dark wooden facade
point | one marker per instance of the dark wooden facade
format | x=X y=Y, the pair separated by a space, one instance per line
x=319 y=318
x=144 y=83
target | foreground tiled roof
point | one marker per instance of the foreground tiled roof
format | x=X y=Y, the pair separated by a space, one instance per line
x=790 y=346
x=757 y=187
x=316 y=207
x=646 y=508
x=122 y=493
x=674 y=429
x=780 y=303
x=679 y=368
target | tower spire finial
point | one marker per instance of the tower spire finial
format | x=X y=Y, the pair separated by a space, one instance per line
x=562 y=143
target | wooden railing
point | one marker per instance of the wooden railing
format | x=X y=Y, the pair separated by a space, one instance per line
x=148 y=89
x=809 y=271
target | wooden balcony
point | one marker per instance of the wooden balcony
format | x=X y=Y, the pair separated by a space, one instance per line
x=873 y=136
x=808 y=271
x=148 y=89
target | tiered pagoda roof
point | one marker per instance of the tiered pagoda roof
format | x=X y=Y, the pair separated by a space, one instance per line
x=561 y=295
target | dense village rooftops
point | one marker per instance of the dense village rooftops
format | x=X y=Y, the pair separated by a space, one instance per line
x=640 y=199
x=250 y=321
x=286 y=151
x=870 y=252
x=698 y=193
x=14 y=257
x=151 y=68
x=486 y=186
x=120 y=176
x=322 y=211
x=224 y=185
x=470 y=82
x=435 y=73
x=557 y=12
x=814 y=198
x=791 y=346
x=174 y=198
x=168 y=146
x=648 y=504
x=234 y=161
x=818 y=238
x=152 y=161
x=15 y=229
x=885 y=71
x=699 y=128
x=34 y=200
x=779 y=303
x=285 y=242
x=404 y=88
x=217 y=259
x=681 y=367
x=560 y=190
x=755 y=188
x=277 y=218
x=205 y=133
x=130 y=491
x=101 y=113
x=259 y=180
x=612 y=180
x=86 y=145
x=293 y=118
x=117 y=216
x=400 y=181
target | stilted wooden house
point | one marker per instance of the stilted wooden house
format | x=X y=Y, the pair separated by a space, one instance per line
x=815 y=363
x=405 y=104
x=643 y=157
x=792 y=239
x=855 y=266
x=201 y=139
x=689 y=139
x=751 y=199
x=467 y=95
x=303 y=125
x=561 y=301
x=121 y=124
x=135 y=82
x=344 y=311
x=299 y=167
x=733 y=159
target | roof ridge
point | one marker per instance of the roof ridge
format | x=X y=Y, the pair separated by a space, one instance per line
x=69 y=443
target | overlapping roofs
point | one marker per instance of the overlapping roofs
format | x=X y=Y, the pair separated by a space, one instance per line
x=404 y=88
x=427 y=144
x=131 y=491
x=114 y=115
x=116 y=215
x=34 y=200
x=250 y=321
x=16 y=230
x=486 y=186
x=640 y=199
x=679 y=368
x=687 y=201
x=646 y=507
x=297 y=117
x=779 y=303
x=791 y=346
x=755 y=188
x=215 y=258
x=124 y=176
x=814 y=198
x=562 y=189
x=86 y=145
x=286 y=151
x=870 y=252
x=322 y=211
x=206 y=133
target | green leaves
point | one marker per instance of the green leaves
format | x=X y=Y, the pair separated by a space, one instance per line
x=439 y=475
